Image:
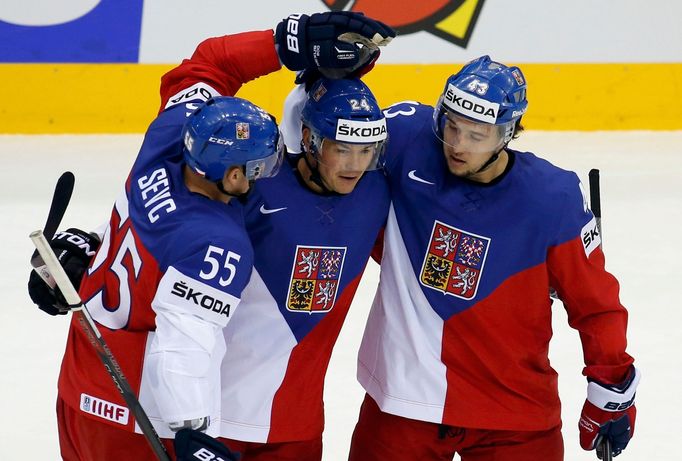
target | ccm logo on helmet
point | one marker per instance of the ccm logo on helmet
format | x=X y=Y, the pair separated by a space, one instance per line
x=360 y=132
x=184 y=291
x=469 y=105
x=221 y=141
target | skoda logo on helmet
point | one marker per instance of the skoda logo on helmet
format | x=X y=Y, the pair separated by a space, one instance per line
x=470 y=105
x=360 y=132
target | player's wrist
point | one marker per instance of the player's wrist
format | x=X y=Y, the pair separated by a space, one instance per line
x=196 y=424
x=615 y=397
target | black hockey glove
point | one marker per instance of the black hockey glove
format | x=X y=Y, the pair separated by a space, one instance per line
x=191 y=445
x=337 y=43
x=74 y=249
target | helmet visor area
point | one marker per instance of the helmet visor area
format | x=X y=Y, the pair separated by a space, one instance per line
x=463 y=134
x=352 y=145
x=266 y=167
x=351 y=157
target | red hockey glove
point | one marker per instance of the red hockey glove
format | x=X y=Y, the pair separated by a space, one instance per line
x=609 y=413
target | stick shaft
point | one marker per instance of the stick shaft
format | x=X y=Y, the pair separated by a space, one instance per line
x=595 y=205
x=606 y=447
x=92 y=332
x=595 y=197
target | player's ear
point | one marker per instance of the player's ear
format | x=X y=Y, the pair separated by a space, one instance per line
x=236 y=173
x=233 y=175
x=306 y=138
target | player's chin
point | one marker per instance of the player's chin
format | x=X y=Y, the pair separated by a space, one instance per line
x=457 y=166
x=345 y=183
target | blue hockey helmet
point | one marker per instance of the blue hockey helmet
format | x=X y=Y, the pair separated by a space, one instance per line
x=484 y=91
x=225 y=132
x=344 y=111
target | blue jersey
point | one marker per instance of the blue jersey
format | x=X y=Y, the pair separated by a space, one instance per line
x=460 y=328
x=165 y=281
x=310 y=252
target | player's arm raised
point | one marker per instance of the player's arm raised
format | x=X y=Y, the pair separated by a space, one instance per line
x=333 y=43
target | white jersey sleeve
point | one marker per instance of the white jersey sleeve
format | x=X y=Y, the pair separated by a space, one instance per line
x=291 y=124
x=188 y=345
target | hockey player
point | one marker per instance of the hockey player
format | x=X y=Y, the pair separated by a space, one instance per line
x=312 y=228
x=167 y=279
x=312 y=231
x=454 y=356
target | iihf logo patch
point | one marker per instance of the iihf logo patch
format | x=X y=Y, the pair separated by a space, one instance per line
x=454 y=261
x=104 y=409
x=315 y=278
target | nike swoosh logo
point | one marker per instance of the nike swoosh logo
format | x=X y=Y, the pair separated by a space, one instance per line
x=270 y=210
x=414 y=177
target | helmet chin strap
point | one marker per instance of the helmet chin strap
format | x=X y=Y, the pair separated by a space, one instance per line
x=509 y=133
x=493 y=158
x=315 y=176
x=241 y=197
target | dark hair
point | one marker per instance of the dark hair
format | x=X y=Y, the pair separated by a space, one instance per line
x=518 y=128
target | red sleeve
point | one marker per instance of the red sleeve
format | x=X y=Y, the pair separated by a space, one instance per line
x=378 y=249
x=224 y=63
x=590 y=295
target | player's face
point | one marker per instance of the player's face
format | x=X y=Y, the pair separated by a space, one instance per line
x=341 y=165
x=468 y=145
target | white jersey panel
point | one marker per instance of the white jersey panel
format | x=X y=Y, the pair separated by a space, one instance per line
x=291 y=124
x=400 y=345
x=149 y=393
x=259 y=343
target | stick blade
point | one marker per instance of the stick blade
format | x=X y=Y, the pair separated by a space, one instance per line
x=595 y=194
x=60 y=201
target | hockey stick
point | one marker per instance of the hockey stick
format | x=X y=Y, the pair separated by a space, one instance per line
x=604 y=448
x=60 y=201
x=604 y=452
x=47 y=265
x=595 y=198
x=90 y=328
